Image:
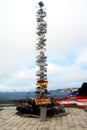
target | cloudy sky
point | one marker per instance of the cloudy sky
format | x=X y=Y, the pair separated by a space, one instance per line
x=66 y=43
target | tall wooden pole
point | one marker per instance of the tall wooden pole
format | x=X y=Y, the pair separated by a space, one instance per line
x=41 y=58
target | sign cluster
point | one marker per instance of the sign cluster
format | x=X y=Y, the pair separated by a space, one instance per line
x=41 y=48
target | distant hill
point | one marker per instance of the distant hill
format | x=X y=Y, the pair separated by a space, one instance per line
x=65 y=90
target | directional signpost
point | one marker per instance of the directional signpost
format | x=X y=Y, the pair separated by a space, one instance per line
x=41 y=74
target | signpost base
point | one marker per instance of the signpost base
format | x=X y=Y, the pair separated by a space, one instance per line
x=43 y=102
x=43 y=113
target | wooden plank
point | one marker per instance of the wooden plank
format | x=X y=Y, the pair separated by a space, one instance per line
x=75 y=120
x=42 y=101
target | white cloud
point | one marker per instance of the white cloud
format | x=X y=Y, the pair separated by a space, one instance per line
x=21 y=80
x=66 y=76
x=82 y=58
x=66 y=43
x=67 y=27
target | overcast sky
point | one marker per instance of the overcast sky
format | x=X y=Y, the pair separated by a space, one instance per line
x=66 y=43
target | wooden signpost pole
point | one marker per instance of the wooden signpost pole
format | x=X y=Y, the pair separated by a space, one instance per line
x=41 y=61
x=43 y=113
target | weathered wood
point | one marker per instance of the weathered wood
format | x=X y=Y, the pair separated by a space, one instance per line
x=75 y=120
x=42 y=101
x=43 y=113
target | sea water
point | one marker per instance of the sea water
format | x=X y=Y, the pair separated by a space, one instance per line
x=23 y=95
